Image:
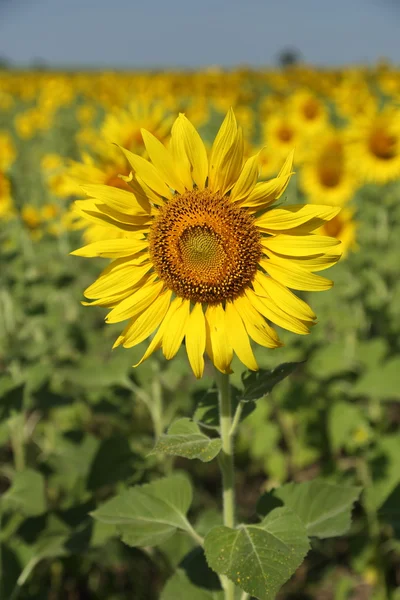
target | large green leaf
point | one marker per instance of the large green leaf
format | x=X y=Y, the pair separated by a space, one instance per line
x=257 y=384
x=27 y=493
x=179 y=587
x=148 y=514
x=343 y=419
x=382 y=382
x=259 y=558
x=185 y=439
x=324 y=508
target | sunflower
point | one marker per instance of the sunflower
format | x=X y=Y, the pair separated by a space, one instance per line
x=343 y=228
x=326 y=176
x=375 y=146
x=208 y=259
x=6 y=204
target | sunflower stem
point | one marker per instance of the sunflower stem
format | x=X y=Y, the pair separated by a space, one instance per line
x=226 y=463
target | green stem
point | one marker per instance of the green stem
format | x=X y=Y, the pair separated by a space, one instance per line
x=226 y=463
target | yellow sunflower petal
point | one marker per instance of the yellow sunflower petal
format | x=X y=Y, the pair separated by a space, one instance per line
x=144 y=325
x=148 y=173
x=175 y=330
x=121 y=200
x=118 y=248
x=92 y=213
x=283 y=297
x=266 y=192
x=136 y=302
x=274 y=314
x=309 y=263
x=290 y=217
x=295 y=277
x=299 y=245
x=156 y=342
x=117 y=277
x=226 y=156
x=196 y=339
x=220 y=350
x=185 y=139
x=162 y=160
x=255 y=324
x=239 y=338
x=247 y=179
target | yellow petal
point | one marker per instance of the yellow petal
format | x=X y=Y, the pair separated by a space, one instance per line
x=144 y=325
x=293 y=216
x=117 y=277
x=118 y=248
x=175 y=330
x=266 y=192
x=120 y=200
x=96 y=215
x=137 y=302
x=156 y=342
x=247 y=179
x=187 y=142
x=294 y=276
x=162 y=160
x=239 y=338
x=309 y=263
x=196 y=340
x=226 y=156
x=256 y=326
x=299 y=245
x=219 y=348
x=283 y=297
x=148 y=173
x=274 y=314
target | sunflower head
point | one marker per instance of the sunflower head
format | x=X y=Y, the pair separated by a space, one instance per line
x=204 y=257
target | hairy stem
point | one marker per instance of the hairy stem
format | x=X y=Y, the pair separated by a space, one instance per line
x=226 y=463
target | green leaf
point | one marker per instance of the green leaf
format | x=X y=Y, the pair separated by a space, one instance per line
x=179 y=587
x=324 y=508
x=342 y=421
x=260 y=383
x=381 y=383
x=259 y=558
x=390 y=510
x=207 y=411
x=148 y=514
x=27 y=493
x=185 y=439
x=384 y=469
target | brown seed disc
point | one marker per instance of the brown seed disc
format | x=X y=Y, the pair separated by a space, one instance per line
x=204 y=247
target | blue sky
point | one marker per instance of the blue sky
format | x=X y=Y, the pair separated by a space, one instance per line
x=188 y=33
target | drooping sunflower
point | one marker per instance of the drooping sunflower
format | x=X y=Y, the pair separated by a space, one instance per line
x=208 y=259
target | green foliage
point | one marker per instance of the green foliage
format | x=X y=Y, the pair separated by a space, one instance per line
x=147 y=515
x=259 y=558
x=324 y=508
x=185 y=439
x=78 y=427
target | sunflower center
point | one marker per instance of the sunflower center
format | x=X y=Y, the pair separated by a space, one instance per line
x=285 y=134
x=204 y=247
x=382 y=144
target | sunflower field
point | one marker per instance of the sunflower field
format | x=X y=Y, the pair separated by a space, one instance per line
x=88 y=444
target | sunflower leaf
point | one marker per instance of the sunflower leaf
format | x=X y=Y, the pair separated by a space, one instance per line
x=184 y=438
x=146 y=515
x=259 y=558
x=324 y=508
x=260 y=383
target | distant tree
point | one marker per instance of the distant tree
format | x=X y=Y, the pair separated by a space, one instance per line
x=289 y=57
